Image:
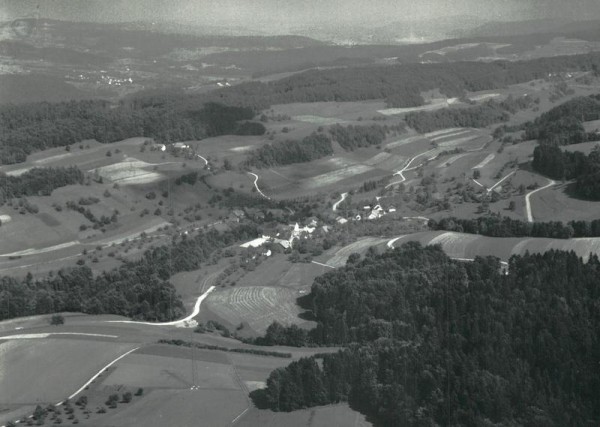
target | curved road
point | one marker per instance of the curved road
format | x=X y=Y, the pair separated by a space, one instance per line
x=528 y=201
x=336 y=204
x=405 y=168
x=181 y=323
x=256 y=186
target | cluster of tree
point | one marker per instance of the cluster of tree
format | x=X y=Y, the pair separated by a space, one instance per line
x=478 y=116
x=188 y=178
x=137 y=289
x=38 y=182
x=34 y=127
x=550 y=160
x=563 y=125
x=309 y=148
x=433 y=341
x=277 y=334
x=353 y=137
x=496 y=226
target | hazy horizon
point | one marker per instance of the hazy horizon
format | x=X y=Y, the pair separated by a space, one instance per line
x=293 y=14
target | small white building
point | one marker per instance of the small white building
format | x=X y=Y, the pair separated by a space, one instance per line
x=341 y=220
x=180 y=146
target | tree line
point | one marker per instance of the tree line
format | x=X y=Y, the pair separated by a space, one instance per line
x=353 y=137
x=401 y=85
x=38 y=182
x=496 y=226
x=550 y=160
x=431 y=341
x=137 y=289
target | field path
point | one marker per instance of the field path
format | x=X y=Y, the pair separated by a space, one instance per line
x=256 y=185
x=98 y=374
x=405 y=168
x=180 y=323
x=501 y=181
x=528 y=199
x=336 y=204
x=203 y=158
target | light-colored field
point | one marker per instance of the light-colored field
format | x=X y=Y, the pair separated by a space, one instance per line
x=485 y=161
x=259 y=306
x=553 y=204
x=318 y=120
x=462 y=245
x=336 y=176
x=360 y=247
x=435 y=104
x=584 y=147
x=130 y=171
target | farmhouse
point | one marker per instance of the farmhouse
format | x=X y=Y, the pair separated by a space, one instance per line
x=180 y=146
x=341 y=220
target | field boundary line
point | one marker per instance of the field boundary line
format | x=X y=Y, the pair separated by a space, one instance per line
x=98 y=374
x=321 y=264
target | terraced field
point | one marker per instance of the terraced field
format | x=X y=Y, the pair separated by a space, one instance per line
x=259 y=306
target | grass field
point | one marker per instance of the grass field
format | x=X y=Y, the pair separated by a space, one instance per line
x=258 y=306
x=462 y=245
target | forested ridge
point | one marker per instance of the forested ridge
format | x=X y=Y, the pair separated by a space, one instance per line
x=34 y=127
x=432 y=341
x=496 y=226
x=352 y=137
x=137 y=289
x=38 y=182
x=478 y=116
x=401 y=85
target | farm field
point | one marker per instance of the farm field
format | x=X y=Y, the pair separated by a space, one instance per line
x=259 y=306
x=462 y=245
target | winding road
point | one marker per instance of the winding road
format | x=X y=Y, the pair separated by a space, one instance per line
x=336 y=204
x=179 y=323
x=528 y=201
x=256 y=186
x=405 y=168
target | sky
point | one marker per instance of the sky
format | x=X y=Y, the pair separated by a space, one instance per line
x=294 y=13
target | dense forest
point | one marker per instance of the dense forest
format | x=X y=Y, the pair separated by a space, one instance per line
x=402 y=85
x=281 y=153
x=38 y=182
x=496 y=226
x=563 y=125
x=353 y=137
x=34 y=127
x=137 y=289
x=431 y=341
x=478 y=116
x=550 y=160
